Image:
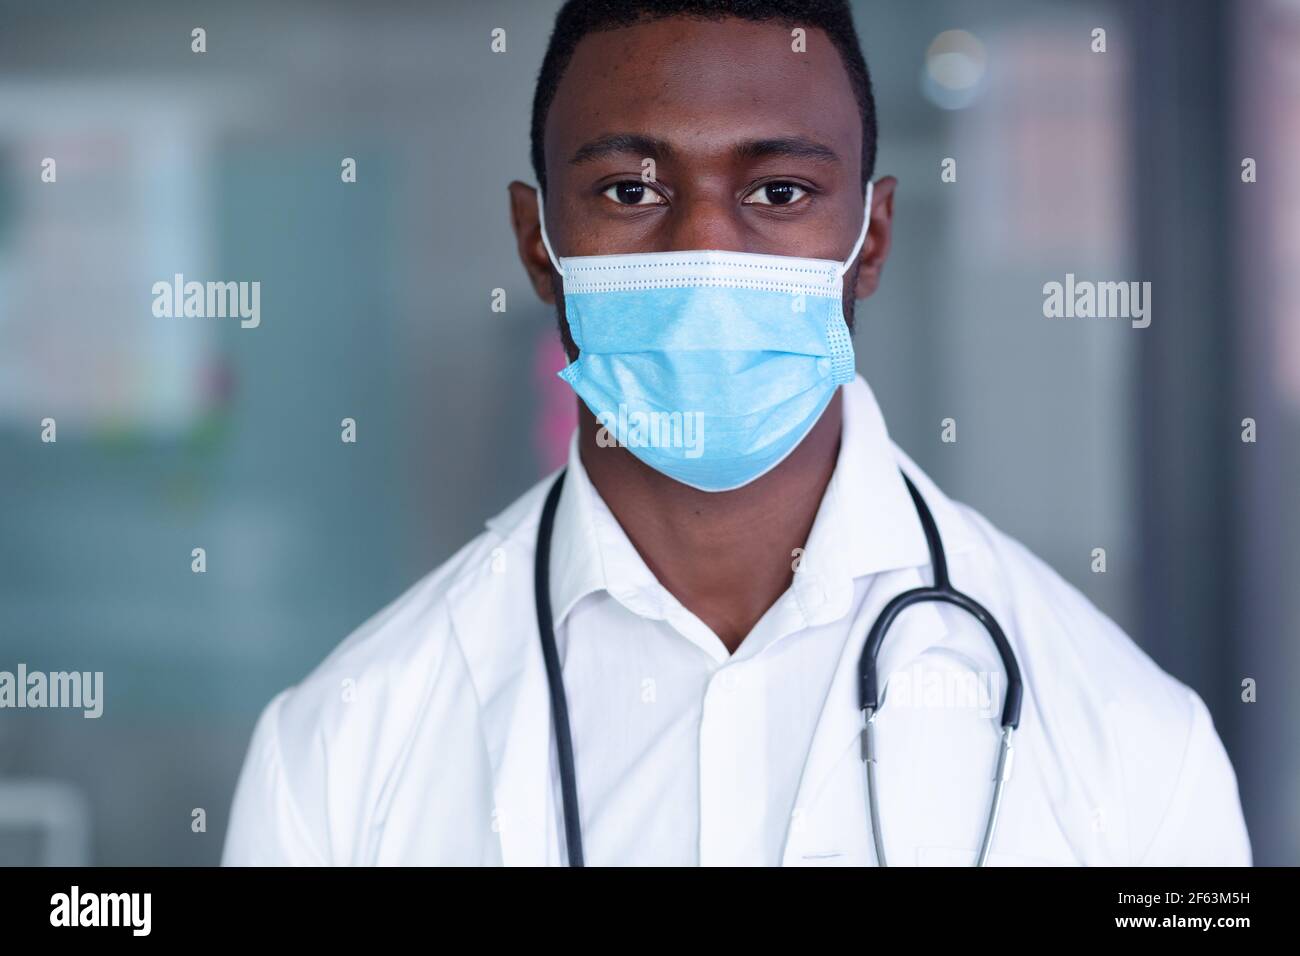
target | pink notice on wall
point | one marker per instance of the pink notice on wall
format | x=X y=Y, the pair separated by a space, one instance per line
x=556 y=413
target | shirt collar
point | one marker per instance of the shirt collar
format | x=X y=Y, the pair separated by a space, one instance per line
x=866 y=524
x=595 y=551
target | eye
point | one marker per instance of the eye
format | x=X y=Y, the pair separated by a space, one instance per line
x=776 y=194
x=632 y=193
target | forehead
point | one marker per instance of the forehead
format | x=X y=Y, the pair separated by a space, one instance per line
x=703 y=85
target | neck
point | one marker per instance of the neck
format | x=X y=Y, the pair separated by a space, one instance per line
x=725 y=556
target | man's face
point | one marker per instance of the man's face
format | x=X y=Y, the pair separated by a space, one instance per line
x=755 y=148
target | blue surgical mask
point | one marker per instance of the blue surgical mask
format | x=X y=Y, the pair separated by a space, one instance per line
x=709 y=366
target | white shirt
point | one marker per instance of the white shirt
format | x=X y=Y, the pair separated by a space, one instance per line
x=425 y=737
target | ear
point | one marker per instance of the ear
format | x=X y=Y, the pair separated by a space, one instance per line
x=875 y=250
x=528 y=240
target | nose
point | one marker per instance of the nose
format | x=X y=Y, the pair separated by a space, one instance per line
x=701 y=222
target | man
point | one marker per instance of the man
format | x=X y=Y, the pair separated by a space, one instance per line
x=732 y=520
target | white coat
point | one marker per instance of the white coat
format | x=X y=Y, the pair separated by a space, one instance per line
x=425 y=737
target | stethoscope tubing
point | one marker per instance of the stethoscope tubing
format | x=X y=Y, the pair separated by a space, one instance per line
x=868 y=689
x=554 y=677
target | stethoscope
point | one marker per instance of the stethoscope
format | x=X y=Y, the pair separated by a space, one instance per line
x=868 y=695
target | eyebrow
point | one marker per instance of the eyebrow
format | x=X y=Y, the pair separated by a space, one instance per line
x=797 y=147
x=617 y=143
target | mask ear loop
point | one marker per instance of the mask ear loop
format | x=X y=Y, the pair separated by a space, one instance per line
x=541 y=221
x=862 y=236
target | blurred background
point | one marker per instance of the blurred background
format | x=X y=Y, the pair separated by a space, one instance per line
x=376 y=303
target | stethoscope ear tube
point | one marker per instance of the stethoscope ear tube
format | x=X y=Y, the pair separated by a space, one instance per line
x=869 y=689
x=942 y=590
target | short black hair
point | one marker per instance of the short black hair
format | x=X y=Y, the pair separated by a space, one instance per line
x=577 y=18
